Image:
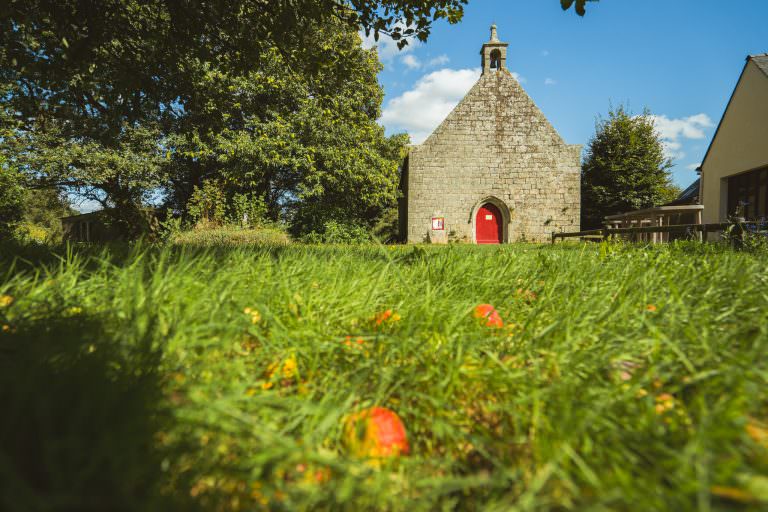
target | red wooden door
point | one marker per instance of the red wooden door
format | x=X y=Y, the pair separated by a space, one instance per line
x=488 y=225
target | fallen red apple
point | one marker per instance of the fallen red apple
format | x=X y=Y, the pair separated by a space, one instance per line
x=376 y=432
x=489 y=313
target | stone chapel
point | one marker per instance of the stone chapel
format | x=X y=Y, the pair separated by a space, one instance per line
x=495 y=170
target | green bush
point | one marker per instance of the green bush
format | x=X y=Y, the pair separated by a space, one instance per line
x=228 y=236
x=248 y=211
x=207 y=206
x=335 y=232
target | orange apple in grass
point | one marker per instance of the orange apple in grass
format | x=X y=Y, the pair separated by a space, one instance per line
x=488 y=315
x=376 y=433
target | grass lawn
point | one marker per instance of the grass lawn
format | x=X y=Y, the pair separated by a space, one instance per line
x=623 y=378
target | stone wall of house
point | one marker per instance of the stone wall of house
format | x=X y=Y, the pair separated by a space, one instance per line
x=495 y=144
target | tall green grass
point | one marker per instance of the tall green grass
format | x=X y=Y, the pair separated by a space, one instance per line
x=625 y=378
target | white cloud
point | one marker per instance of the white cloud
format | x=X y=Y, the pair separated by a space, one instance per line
x=672 y=130
x=519 y=78
x=420 y=110
x=387 y=47
x=689 y=127
x=673 y=149
x=693 y=167
x=440 y=60
x=550 y=81
x=411 y=61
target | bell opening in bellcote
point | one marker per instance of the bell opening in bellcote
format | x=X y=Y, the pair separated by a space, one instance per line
x=495 y=60
x=494 y=53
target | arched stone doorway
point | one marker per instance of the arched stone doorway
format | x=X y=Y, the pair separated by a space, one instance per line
x=490 y=222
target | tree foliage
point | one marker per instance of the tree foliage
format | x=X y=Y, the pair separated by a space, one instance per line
x=11 y=200
x=307 y=143
x=579 y=5
x=130 y=99
x=130 y=102
x=624 y=168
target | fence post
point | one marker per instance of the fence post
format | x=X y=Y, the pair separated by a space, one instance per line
x=553 y=237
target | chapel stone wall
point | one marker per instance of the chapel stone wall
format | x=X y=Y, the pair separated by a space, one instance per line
x=495 y=144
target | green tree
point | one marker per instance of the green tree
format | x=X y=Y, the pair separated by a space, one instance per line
x=127 y=100
x=12 y=193
x=43 y=210
x=305 y=143
x=624 y=168
x=12 y=196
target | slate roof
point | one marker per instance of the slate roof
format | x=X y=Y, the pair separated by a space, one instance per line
x=688 y=196
x=761 y=61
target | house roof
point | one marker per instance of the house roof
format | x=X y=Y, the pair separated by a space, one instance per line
x=101 y=213
x=688 y=196
x=761 y=61
x=83 y=216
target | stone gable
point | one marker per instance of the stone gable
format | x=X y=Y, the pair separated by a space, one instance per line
x=496 y=146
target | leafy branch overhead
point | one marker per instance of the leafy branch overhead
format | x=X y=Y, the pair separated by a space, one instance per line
x=404 y=19
x=580 y=5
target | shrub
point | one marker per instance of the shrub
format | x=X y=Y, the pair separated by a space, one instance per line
x=228 y=236
x=335 y=232
x=207 y=205
x=248 y=211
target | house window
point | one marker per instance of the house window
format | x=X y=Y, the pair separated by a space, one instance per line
x=749 y=190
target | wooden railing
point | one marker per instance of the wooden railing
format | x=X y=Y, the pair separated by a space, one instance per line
x=606 y=233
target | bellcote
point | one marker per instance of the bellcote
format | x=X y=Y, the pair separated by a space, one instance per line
x=494 y=53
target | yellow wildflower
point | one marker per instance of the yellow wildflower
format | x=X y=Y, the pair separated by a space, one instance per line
x=289 y=367
x=254 y=314
x=5 y=301
x=664 y=402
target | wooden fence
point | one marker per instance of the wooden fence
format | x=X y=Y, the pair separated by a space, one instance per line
x=701 y=231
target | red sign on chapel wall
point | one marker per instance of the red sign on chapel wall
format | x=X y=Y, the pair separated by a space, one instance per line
x=438 y=223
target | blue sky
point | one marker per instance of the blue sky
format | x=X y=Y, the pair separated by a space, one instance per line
x=679 y=58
